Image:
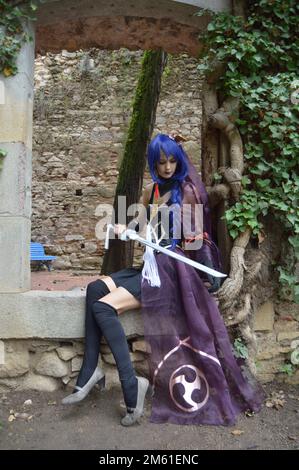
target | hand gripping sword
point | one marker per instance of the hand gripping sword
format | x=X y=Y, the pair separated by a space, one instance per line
x=132 y=235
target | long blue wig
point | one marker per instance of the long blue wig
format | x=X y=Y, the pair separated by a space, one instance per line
x=167 y=145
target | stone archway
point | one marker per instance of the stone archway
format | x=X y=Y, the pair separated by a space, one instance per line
x=167 y=24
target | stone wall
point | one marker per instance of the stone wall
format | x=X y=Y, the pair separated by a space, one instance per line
x=277 y=329
x=81 y=115
x=47 y=365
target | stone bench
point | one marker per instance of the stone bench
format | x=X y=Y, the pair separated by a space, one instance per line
x=41 y=340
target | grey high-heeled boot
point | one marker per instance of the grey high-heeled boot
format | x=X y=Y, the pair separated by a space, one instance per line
x=98 y=377
x=131 y=418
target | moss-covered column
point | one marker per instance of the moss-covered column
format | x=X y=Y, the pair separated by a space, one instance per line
x=15 y=176
x=130 y=178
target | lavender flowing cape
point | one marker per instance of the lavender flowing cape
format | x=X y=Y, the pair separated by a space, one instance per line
x=196 y=377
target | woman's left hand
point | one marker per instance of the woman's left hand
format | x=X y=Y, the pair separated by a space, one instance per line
x=119 y=229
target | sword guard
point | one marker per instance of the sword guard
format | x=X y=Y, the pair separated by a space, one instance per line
x=128 y=234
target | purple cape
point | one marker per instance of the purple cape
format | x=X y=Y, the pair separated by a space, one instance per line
x=194 y=373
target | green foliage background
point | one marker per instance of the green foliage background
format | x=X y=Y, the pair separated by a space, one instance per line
x=261 y=57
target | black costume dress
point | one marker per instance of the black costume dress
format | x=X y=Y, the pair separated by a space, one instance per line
x=130 y=278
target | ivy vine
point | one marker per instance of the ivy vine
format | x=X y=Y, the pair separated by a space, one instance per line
x=260 y=58
x=12 y=37
x=12 y=33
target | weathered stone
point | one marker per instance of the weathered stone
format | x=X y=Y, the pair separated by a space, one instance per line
x=286 y=325
x=51 y=365
x=288 y=335
x=135 y=357
x=271 y=366
x=79 y=347
x=76 y=364
x=66 y=379
x=90 y=247
x=285 y=349
x=141 y=345
x=71 y=238
x=39 y=382
x=265 y=377
x=264 y=317
x=112 y=377
x=107 y=191
x=67 y=54
x=42 y=346
x=30 y=382
x=74 y=259
x=87 y=262
x=194 y=151
x=66 y=353
x=16 y=360
x=269 y=354
x=292 y=379
x=104 y=348
x=286 y=309
x=62 y=263
x=142 y=368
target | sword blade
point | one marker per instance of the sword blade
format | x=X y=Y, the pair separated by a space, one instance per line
x=133 y=236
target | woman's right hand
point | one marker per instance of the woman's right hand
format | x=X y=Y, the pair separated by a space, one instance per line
x=119 y=229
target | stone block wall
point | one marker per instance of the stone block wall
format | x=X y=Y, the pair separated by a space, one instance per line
x=81 y=115
x=277 y=330
x=47 y=365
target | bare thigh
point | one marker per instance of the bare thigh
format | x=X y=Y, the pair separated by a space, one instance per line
x=109 y=282
x=121 y=299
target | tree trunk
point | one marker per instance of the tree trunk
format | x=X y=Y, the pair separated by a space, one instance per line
x=120 y=254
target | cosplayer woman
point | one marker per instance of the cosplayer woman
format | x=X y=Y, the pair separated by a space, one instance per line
x=193 y=372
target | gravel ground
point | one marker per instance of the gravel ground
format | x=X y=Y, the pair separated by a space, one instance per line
x=94 y=424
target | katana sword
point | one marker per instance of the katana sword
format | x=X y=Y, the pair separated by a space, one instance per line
x=132 y=235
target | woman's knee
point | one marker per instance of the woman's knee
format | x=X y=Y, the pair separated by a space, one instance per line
x=103 y=311
x=97 y=288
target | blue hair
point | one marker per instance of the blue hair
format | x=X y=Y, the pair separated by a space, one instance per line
x=167 y=145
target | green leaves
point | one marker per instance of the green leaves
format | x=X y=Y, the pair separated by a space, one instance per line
x=240 y=350
x=288 y=369
x=261 y=55
x=12 y=34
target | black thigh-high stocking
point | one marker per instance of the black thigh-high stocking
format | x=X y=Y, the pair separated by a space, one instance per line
x=95 y=290
x=107 y=319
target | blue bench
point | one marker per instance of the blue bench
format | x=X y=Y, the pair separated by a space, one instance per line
x=37 y=253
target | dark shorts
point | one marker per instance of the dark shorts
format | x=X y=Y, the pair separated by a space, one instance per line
x=130 y=279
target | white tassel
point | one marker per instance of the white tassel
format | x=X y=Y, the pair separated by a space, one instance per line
x=150 y=270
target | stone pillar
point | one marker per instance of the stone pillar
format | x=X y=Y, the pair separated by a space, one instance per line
x=15 y=178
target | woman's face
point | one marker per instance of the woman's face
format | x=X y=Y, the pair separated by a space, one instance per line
x=166 y=166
